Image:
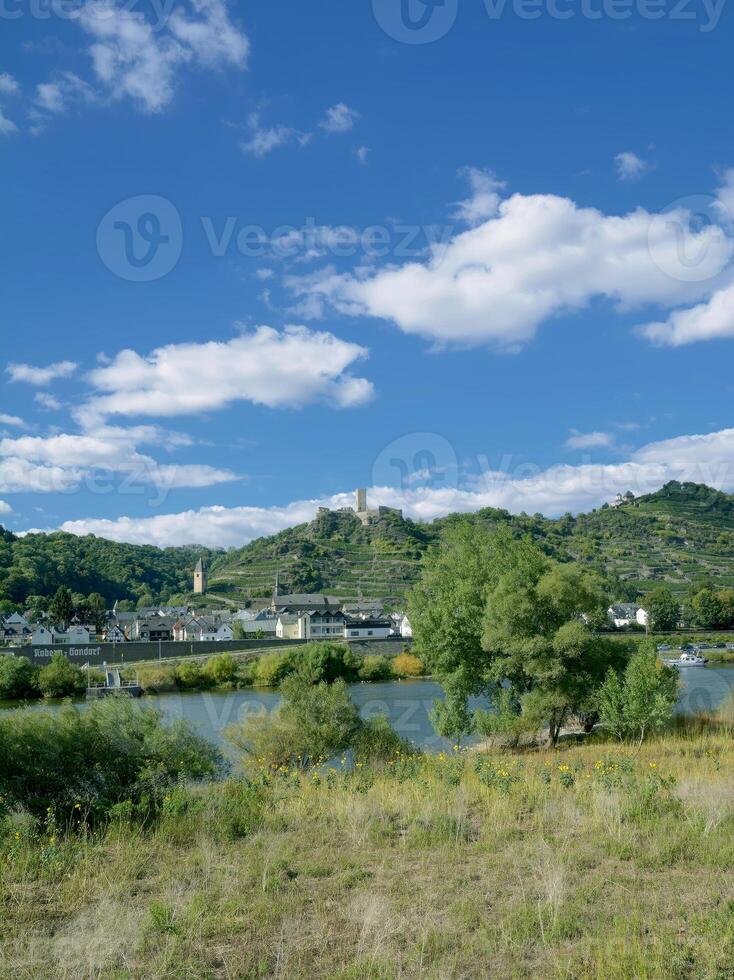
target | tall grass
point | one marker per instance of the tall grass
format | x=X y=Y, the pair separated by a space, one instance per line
x=591 y=862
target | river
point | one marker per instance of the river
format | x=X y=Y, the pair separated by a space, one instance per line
x=407 y=704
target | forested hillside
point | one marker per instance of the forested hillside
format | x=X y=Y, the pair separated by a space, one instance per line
x=682 y=535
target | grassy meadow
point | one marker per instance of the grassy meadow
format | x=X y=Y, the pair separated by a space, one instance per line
x=592 y=861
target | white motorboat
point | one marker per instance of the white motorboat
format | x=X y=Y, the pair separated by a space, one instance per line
x=687 y=659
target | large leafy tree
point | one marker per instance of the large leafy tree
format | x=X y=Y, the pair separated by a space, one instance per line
x=62 y=606
x=662 y=608
x=540 y=645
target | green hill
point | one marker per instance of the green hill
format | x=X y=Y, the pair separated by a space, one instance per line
x=682 y=534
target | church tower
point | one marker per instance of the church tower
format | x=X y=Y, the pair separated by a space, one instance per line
x=200 y=578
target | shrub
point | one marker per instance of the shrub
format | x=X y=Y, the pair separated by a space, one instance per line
x=273 y=668
x=189 y=675
x=377 y=741
x=60 y=678
x=220 y=669
x=18 y=678
x=313 y=723
x=82 y=763
x=329 y=661
x=642 y=699
x=407 y=665
x=157 y=680
x=375 y=668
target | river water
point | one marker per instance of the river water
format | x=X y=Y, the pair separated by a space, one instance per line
x=406 y=704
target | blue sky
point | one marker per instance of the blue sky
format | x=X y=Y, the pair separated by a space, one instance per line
x=220 y=305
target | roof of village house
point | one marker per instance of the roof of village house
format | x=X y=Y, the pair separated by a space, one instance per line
x=624 y=610
x=307 y=600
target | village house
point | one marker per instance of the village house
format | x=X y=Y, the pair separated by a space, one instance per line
x=623 y=614
x=367 y=629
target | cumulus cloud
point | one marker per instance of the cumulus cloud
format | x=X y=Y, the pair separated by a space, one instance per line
x=541 y=255
x=339 y=118
x=484 y=200
x=13 y=420
x=8 y=85
x=63 y=461
x=7 y=126
x=39 y=376
x=711 y=320
x=5 y=507
x=362 y=153
x=264 y=366
x=588 y=440
x=135 y=58
x=265 y=139
x=47 y=401
x=630 y=166
x=699 y=458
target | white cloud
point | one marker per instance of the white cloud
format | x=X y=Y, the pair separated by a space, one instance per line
x=724 y=204
x=540 y=256
x=265 y=139
x=47 y=401
x=7 y=126
x=133 y=58
x=362 y=153
x=630 y=166
x=277 y=369
x=14 y=420
x=588 y=440
x=699 y=458
x=710 y=320
x=5 y=507
x=485 y=198
x=8 y=85
x=339 y=118
x=64 y=461
x=39 y=376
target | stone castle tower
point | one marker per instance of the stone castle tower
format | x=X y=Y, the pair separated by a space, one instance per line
x=201 y=579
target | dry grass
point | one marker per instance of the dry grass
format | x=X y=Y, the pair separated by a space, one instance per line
x=624 y=871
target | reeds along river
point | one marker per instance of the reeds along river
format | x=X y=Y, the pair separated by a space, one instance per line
x=406 y=704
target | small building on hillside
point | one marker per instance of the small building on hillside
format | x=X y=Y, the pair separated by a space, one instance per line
x=623 y=614
x=41 y=636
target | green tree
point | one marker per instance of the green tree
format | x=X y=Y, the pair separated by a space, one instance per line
x=313 y=723
x=662 y=608
x=447 y=607
x=60 y=678
x=642 y=699
x=707 y=609
x=97 y=610
x=539 y=644
x=238 y=630
x=62 y=606
x=18 y=678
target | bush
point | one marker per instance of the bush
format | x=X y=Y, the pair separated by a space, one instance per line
x=156 y=680
x=642 y=699
x=273 y=668
x=407 y=665
x=82 y=763
x=220 y=669
x=375 y=668
x=61 y=679
x=329 y=661
x=189 y=675
x=18 y=678
x=313 y=723
x=377 y=741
